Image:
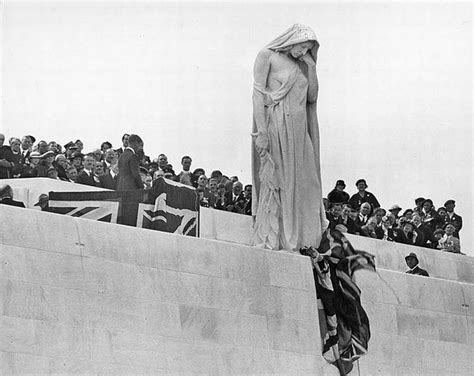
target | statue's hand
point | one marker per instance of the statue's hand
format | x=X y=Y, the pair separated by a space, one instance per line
x=262 y=144
x=308 y=59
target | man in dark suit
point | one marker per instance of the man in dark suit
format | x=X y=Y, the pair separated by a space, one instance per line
x=110 y=178
x=412 y=263
x=6 y=197
x=425 y=236
x=119 y=151
x=128 y=164
x=235 y=200
x=453 y=218
x=86 y=176
x=363 y=216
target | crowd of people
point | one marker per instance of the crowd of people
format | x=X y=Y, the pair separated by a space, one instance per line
x=359 y=214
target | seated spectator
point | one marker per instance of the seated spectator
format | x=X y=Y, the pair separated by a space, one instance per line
x=438 y=235
x=453 y=218
x=334 y=215
x=347 y=220
x=184 y=177
x=61 y=164
x=429 y=215
x=425 y=235
x=449 y=242
x=52 y=173
x=337 y=195
x=364 y=213
x=43 y=202
x=42 y=147
x=407 y=234
x=202 y=200
x=158 y=174
x=86 y=176
x=395 y=210
x=363 y=196
x=109 y=179
x=379 y=213
x=6 y=197
x=16 y=158
x=195 y=176
x=33 y=169
x=216 y=174
x=208 y=197
x=235 y=200
x=248 y=198
x=419 y=205
x=389 y=232
x=110 y=157
x=71 y=174
x=368 y=230
x=76 y=160
x=26 y=149
x=412 y=263
x=212 y=186
x=47 y=159
x=221 y=197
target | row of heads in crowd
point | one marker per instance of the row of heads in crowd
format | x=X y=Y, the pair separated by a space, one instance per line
x=72 y=159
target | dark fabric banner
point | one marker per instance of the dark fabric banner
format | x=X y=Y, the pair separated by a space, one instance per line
x=344 y=325
x=167 y=206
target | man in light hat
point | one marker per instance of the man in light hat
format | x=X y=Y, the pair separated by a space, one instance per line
x=395 y=210
x=412 y=263
x=453 y=218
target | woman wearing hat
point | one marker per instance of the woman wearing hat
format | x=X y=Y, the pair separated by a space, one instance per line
x=34 y=168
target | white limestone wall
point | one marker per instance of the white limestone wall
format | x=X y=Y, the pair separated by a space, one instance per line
x=79 y=296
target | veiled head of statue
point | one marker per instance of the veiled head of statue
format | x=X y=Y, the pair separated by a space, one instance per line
x=295 y=35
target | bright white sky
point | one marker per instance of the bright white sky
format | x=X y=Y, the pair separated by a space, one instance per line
x=395 y=103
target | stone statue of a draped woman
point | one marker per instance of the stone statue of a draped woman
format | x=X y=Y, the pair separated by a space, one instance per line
x=287 y=203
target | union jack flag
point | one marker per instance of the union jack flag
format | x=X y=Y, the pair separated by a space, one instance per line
x=167 y=206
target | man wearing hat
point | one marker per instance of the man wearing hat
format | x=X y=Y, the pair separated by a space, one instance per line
x=395 y=210
x=453 y=218
x=412 y=263
x=43 y=202
x=419 y=205
x=337 y=195
x=363 y=196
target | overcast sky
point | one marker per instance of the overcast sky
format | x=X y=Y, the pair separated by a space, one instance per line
x=395 y=103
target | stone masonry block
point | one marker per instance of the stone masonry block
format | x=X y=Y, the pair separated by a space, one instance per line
x=294 y=336
x=285 y=270
x=199 y=256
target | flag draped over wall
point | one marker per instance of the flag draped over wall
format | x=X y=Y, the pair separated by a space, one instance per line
x=167 y=206
x=344 y=325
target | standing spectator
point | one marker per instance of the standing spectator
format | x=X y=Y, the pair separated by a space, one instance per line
x=208 y=198
x=449 y=242
x=337 y=195
x=42 y=147
x=86 y=176
x=98 y=155
x=408 y=214
x=443 y=213
x=120 y=150
x=6 y=197
x=363 y=196
x=16 y=157
x=453 y=218
x=184 y=177
x=212 y=185
x=412 y=263
x=195 y=176
x=429 y=215
x=106 y=145
x=129 y=176
x=80 y=145
x=76 y=160
x=26 y=144
x=162 y=161
x=363 y=216
x=419 y=205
